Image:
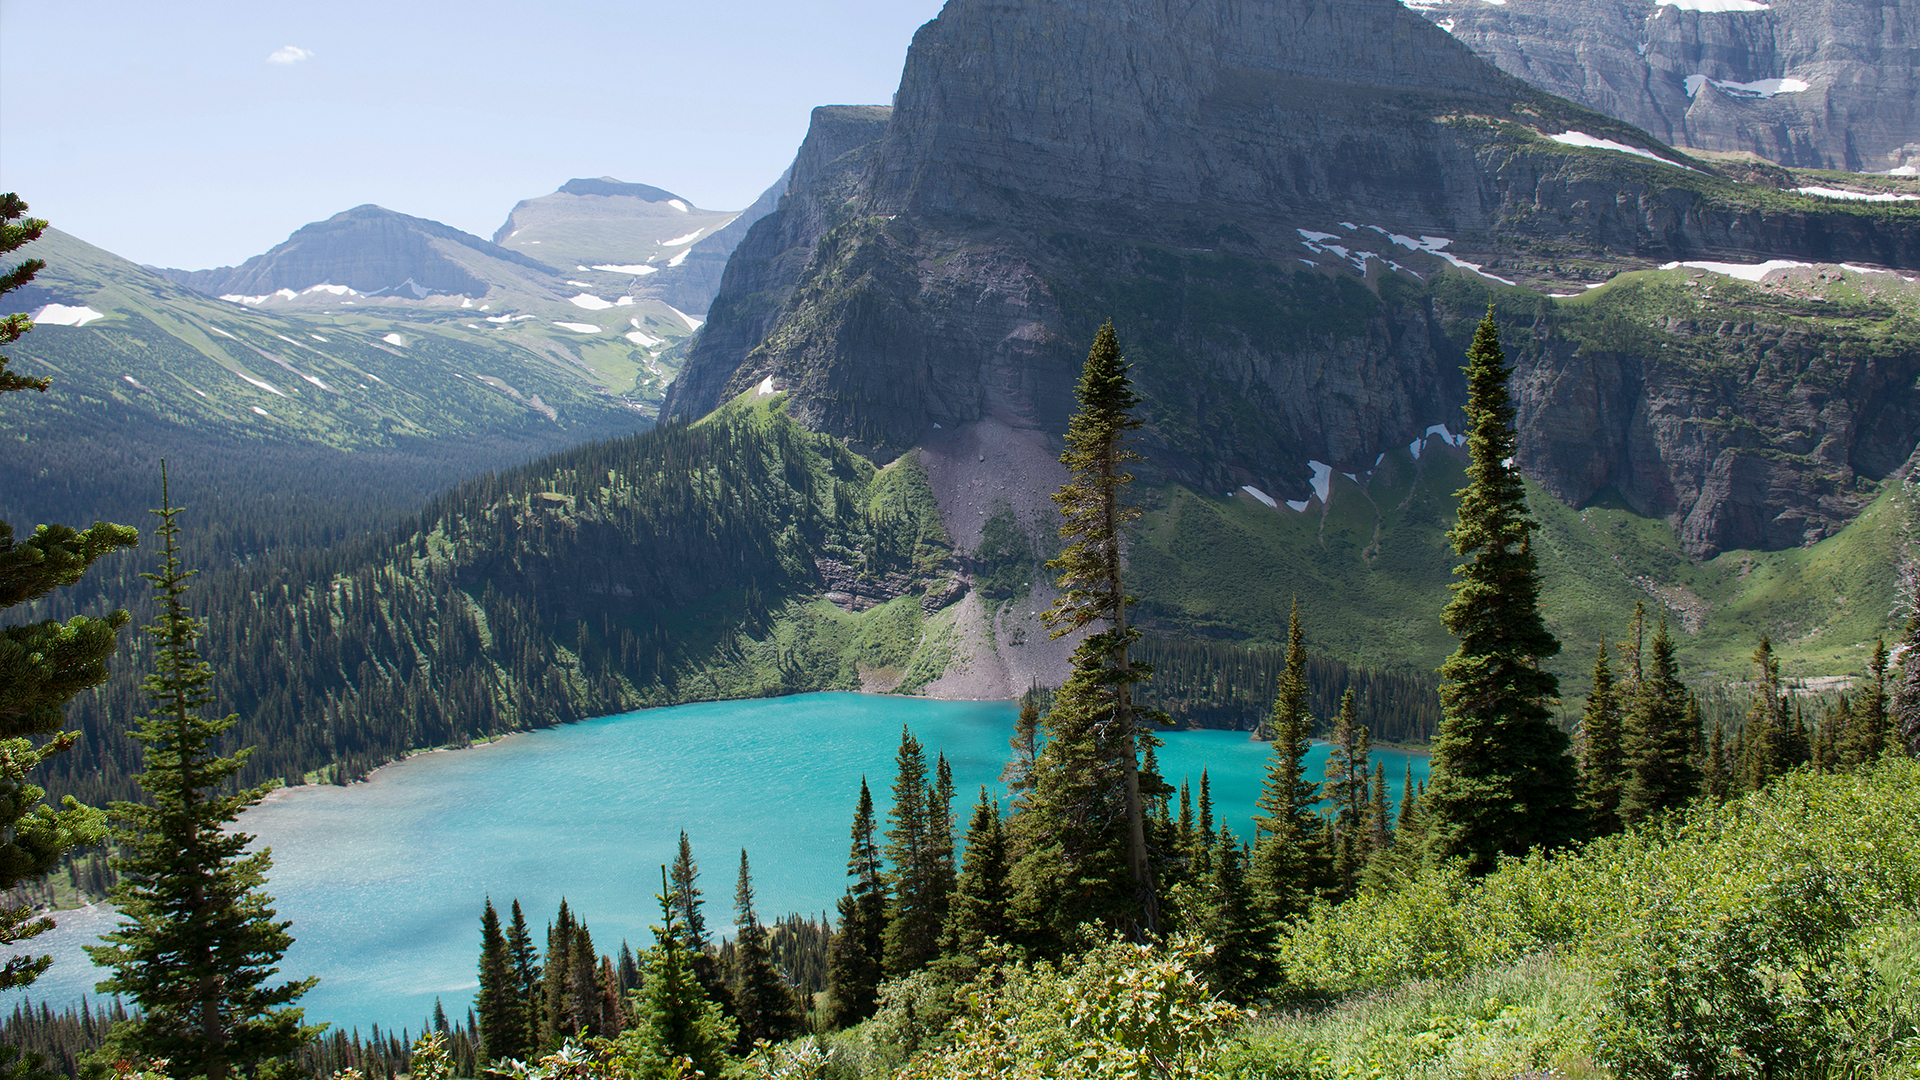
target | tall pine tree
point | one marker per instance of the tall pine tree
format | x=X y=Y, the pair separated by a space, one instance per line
x=42 y=665
x=1503 y=781
x=693 y=924
x=1346 y=789
x=1603 y=765
x=1663 y=741
x=979 y=912
x=499 y=1008
x=914 y=917
x=1286 y=847
x=859 y=941
x=678 y=1031
x=197 y=942
x=1084 y=829
x=762 y=1002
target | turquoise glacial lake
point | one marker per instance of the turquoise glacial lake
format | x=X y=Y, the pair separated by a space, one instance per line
x=384 y=880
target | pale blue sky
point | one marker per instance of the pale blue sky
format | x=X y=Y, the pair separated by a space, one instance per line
x=164 y=133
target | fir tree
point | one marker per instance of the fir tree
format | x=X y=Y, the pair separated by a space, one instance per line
x=524 y=961
x=1346 y=789
x=1502 y=782
x=42 y=665
x=762 y=1002
x=557 y=1004
x=1603 y=766
x=913 y=915
x=693 y=924
x=1025 y=744
x=1717 y=780
x=854 y=954
x=677 y=1029
x=197 y=941
x=1084 y=830
x=941 y=876
x=1287 y=836
x=1767 y=739
x=1868 y=732
x=501 y=1014
x=1232 y=925
x=1662 y=736
x=1202 y=856
x=979 y=911
x=1379 y=832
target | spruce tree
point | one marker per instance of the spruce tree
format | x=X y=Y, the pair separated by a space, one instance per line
x=1603 y=764
x=557 y=1005
x=941 y=875
x=501 y=1012
x=1230 y=923
x=42 y=665
x=859 y=941
x=677 y=1029
x=1346 y=789
x=197 y=941
x=979 y=911
x=1288 y=837
x=913 y=917
x=1503 y=782
x=693 y=924
x=524 y=960
x=1083 y=834
x=762 y=1002
x=1868 y=733
x=1663 y=738
x=1767 y=739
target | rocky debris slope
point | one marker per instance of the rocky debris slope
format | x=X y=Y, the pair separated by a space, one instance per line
x=1824 y=84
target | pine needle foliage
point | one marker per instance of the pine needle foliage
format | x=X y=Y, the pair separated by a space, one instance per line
x=1503 y=781
x=1083 y=831
x=197 y=944
x=42 y=665
x=1290 y=839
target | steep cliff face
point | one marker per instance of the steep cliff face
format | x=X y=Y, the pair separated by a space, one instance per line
x=1811 y=83
x=1261 y=195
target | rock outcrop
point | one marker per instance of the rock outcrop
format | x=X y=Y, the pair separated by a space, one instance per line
x=1826 y=84
x=1260 y=196
x=632 y=239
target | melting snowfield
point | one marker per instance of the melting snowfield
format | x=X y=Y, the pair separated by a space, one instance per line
x=1743 y=271
x=62 y=315
x=1861 y=196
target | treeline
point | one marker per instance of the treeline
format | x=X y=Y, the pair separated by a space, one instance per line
x=1217 y=684
x=598 y=580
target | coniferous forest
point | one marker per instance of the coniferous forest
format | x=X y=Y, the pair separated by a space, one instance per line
x=1653 y=887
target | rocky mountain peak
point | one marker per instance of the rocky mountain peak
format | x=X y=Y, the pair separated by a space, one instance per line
x=370 y=250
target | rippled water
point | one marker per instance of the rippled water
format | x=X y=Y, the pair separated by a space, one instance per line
x=384 y=881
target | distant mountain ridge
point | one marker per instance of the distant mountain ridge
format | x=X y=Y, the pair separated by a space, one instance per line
x=1824 y=84
x=371 y=250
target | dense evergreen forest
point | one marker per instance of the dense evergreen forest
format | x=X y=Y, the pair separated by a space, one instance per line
x=639 y=571
x=1105 y=920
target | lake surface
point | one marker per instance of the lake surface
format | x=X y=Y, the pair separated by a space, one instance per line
x=384 y=881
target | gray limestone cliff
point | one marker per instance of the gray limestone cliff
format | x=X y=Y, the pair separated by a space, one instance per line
x=1266 y=198
x=1832 y=84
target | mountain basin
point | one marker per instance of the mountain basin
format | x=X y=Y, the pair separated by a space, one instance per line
x=384 y=880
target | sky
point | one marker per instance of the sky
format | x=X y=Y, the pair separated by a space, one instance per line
x=199 y=134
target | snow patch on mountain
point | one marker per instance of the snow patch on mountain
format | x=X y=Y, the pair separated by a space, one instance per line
x=62 y=315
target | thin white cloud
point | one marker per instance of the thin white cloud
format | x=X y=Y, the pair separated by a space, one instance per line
x=289 y=54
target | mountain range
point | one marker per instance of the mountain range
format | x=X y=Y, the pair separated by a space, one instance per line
x=1294 y=212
